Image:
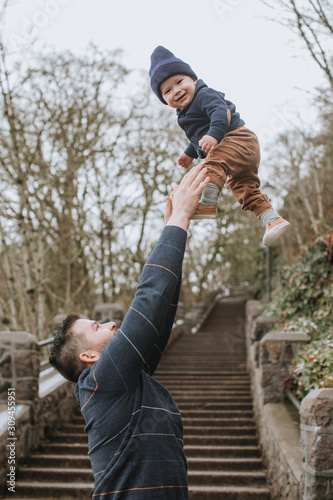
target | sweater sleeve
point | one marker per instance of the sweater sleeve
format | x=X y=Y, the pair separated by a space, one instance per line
x=163 y=339
x=215 y=107
x=149 y=319
x=190 y=151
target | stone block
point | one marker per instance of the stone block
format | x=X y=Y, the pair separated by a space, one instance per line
x=317 y=408
x=289 y=353
x=6 y=371
x=261 y=326
x=27 y=364
x=27 y=390
x=267 y=376
x=263 y=353
x=18 y=340
x=274 y=349
x=253 y=309
x=287 y=337
x=317 y=444
x=319 y=451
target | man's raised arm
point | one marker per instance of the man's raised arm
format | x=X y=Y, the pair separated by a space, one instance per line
x=128 y=352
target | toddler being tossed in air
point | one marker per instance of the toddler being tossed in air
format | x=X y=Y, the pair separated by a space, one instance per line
x=217 y=134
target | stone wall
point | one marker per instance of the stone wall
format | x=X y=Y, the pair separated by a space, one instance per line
x=276 y=351
x=19 y=366
x=317 y=444
x=299 y=461
x=31 y=404
x=269 y=355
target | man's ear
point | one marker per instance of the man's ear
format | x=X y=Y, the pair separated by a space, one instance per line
x=89 y=357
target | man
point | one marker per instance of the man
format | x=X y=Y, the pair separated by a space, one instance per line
x=134 y=426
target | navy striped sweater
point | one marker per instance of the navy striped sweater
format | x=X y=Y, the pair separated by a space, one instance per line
x=134 y=426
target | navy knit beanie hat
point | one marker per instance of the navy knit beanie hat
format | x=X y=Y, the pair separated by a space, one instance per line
x=163 y=65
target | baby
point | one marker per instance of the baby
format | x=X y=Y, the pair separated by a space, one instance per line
x=217 y=134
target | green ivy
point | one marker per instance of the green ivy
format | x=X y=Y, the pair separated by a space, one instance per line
x=306 y=293
x=305 y=302
x=312 y=367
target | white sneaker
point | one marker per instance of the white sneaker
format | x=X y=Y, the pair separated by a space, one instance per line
x=274 y=231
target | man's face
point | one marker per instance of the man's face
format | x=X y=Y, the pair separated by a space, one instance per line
x=95 y=336
x=178 y=91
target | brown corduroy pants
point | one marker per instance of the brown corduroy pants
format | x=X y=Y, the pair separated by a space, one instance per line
x=235 y=162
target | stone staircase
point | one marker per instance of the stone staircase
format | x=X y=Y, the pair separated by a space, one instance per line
x=206 y=374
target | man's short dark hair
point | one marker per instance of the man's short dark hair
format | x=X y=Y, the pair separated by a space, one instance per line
x=66 y=348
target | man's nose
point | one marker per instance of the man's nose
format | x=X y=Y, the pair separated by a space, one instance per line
x=111 y=325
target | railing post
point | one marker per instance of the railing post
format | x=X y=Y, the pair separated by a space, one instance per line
x=277 y=349
x=19 y=373
x=19 y=360
x=317 y=444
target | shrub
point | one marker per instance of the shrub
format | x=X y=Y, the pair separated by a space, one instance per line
x=312 y=367
x=305 y=302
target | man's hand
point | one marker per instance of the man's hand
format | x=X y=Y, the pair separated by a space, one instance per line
x=184 y=199
x=168 y=207
x=208 y=143
x=184 y=160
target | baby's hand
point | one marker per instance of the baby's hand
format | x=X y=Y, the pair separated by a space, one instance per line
x=184 y=160
x=208 y=143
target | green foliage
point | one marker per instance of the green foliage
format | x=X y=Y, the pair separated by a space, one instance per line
x=305 y=300
x=313 y=367
x=305 y=303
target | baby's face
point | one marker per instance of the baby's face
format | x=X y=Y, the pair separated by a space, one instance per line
x=178 y=90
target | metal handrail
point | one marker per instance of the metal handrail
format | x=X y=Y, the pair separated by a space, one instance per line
x=292 y=399
x=45 y=342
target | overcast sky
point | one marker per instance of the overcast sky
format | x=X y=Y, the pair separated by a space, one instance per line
x=259 y=64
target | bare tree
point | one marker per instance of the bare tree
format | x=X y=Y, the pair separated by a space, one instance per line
x=55 y=123
x=313 y=21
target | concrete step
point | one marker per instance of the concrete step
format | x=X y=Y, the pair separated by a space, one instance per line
x=219 y=431
x=218 y=422
x=218 y=375
x=219 y=413
x=228 y=493
x=70 y=437
x=220 y=451
x=208 y=391
x=74 y=428
x=226 y=478
x=224 y=464
x=213 y=405
x=213 y=398
x=215 y=440
x=53 y=474
x=52 y=490
x=58 y=460
x=64 y=448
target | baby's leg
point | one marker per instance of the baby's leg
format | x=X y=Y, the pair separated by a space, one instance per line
x=210 y=195
x=238 y=156
x=241 y=156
